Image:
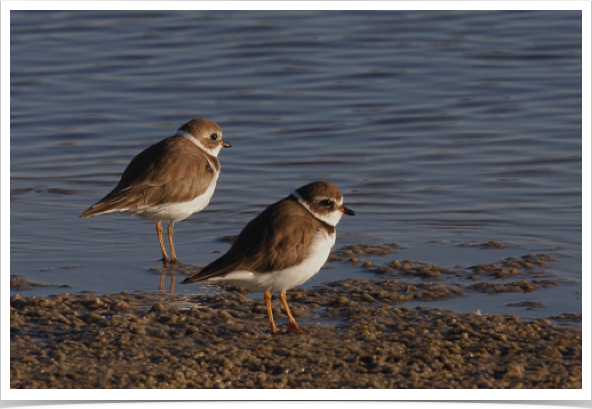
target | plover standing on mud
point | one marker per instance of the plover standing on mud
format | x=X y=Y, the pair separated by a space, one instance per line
x=283 y=247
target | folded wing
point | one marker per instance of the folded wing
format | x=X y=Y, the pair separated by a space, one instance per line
x=273 y=241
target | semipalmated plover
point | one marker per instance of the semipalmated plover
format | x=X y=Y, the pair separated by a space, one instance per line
x=283 y=247
x=170 y=180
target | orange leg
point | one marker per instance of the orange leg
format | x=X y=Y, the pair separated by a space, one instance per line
x=267 y=296
x=292 y=326
x=171 y=245
x=159 y=233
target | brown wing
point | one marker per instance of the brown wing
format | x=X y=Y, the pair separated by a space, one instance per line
x=276 y=239
x=173 y=170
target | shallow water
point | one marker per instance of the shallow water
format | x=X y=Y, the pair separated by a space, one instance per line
x=440 y=128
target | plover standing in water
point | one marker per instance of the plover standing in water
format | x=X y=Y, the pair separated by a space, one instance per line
x=170 y=180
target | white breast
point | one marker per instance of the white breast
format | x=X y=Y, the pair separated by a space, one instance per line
x=288 y=278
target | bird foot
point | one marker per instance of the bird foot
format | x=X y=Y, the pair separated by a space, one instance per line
x=293 y=327
x=168 y=261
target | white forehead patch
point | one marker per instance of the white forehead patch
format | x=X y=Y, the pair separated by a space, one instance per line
x=197 y=142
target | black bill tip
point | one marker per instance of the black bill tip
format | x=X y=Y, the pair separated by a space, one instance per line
x=348 y=211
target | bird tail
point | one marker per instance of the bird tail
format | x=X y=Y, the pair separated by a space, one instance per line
x=113 y=202
x=192 y=279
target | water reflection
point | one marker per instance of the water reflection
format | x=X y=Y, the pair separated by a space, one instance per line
x=171 y=269
x=172 y=286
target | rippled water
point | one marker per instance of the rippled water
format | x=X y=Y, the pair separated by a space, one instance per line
x=440 y=128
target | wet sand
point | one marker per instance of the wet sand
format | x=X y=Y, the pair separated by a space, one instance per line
x=358 y=334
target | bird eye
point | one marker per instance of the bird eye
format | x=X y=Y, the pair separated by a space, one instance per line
x=327 y=202
x=214 y=136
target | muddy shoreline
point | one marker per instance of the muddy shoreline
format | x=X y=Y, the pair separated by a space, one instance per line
x=358 y=334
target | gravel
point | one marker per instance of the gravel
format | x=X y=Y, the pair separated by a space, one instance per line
x=358 y=334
